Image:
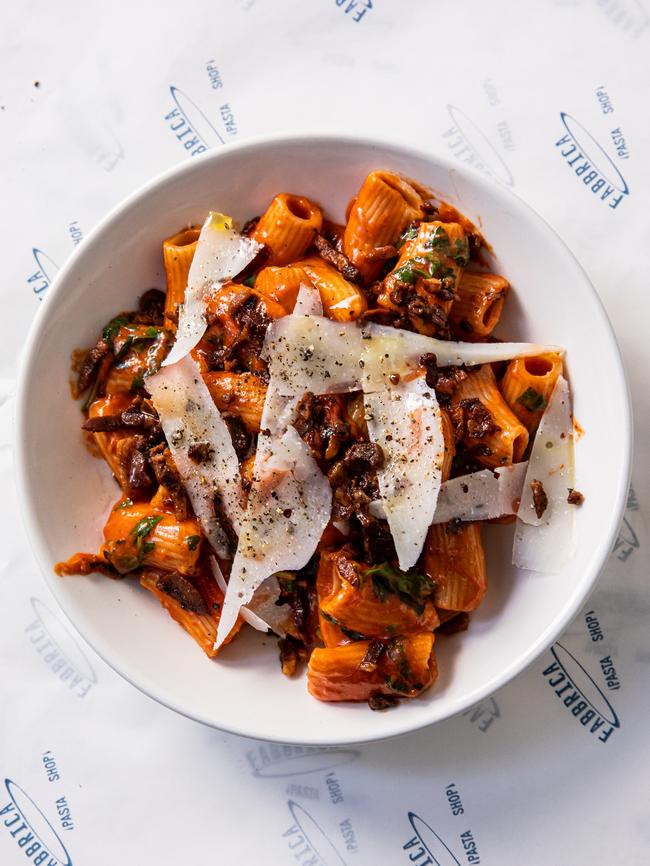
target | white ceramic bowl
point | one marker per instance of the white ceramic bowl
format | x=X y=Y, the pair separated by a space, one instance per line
x=65 y=492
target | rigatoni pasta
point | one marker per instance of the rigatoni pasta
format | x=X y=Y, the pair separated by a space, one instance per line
x=527 y=386
x=342 y=300
x=288 y=228
x=310 y=461
x=281 y=284
x=490 y=430
x=477 y=308
x=178 y=252
x=385 y=205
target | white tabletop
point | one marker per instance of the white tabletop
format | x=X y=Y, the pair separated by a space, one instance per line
x=548 y=98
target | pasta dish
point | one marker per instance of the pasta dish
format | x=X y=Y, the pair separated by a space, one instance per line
x=310 y=427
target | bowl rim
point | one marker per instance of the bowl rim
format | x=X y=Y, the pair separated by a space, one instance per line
x=402 y=723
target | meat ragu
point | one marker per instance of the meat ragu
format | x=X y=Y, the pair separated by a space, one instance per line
x=218 y=463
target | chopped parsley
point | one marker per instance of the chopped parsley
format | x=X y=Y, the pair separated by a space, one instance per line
x=410 y=271
x=193 y=541
x=405 y=274
x=141 y=530
x=438 y=240
x=532 y=400
x=137 y=381
x=412 y=587
x=110 y=331
x=249 y=282
x=410 y=234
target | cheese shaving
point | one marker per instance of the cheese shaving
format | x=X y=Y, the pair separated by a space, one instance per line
x=405 y=423
x=193 y=425
x=546 y=541
x=221 y=253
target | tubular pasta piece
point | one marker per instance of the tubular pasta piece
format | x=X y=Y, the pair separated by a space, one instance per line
x=430 y=263
x=288 y=227
x=449 y=444
x=528 y=384
x=479 y=304
x=342 y=300
x=112 y=444
x=178 y=252
x=281 y=284
x=136 y=535
x=335 y=673
x=505 y=444
x=241 y=394
x=358 y=610
x=455 y=561
x=385 y=205
x=202 y=627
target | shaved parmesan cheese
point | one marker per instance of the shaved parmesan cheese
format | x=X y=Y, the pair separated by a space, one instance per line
x=289 y=506
x=481 y=495
x=309 y=353
x=547 y=543
x=405 y=422
x=308 y=302
x=189 y=418
x=262 y=613
x=221 y=254
x=392 y=350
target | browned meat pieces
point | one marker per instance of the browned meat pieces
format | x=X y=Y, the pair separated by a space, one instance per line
x=540 y=499
x=181 y=590
x=443 y=380
x=340 y=261
x=91 y=363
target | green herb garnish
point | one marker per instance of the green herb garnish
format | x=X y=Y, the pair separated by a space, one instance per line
x=110 y=331
x=193 y=541
x=410 y=234
x=532 y=400
x=141 y=530
x=410 y=271
x=249 y=281
x=405 y=274
x=438 y=240
x=137 y=381
x=412 y=587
